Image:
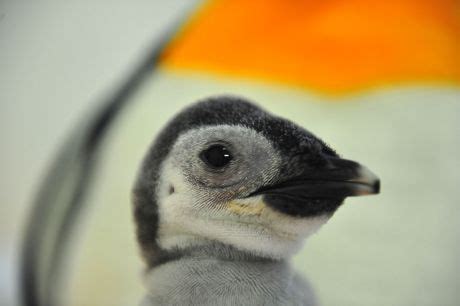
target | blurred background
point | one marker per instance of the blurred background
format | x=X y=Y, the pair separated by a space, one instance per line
x=377 y=81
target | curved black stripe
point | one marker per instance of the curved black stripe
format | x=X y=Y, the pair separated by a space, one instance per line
x=55 y=213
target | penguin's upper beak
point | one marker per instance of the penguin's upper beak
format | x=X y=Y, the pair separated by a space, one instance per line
x=341 y=178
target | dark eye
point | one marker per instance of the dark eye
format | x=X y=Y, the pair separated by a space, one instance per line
x=216 y=156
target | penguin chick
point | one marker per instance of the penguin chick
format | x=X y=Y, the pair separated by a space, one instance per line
x=226 y=195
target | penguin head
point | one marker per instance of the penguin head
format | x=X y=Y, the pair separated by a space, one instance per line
x=224 y=170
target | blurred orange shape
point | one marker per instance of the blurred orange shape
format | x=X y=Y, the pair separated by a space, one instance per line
x=333 y=46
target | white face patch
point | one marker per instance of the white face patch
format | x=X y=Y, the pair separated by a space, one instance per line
x=214 y=206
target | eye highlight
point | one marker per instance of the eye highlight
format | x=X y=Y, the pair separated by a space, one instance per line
x=216 y=156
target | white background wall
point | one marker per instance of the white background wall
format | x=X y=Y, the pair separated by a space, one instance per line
x=58 y=59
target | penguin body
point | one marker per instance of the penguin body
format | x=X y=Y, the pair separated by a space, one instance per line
x=201 y=278
x=226 y=195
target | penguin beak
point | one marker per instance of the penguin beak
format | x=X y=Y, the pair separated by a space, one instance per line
x=341 y=178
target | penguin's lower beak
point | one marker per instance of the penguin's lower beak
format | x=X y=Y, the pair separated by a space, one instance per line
x=340 y=179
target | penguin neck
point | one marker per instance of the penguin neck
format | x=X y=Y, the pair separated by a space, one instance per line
x=211 y=250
